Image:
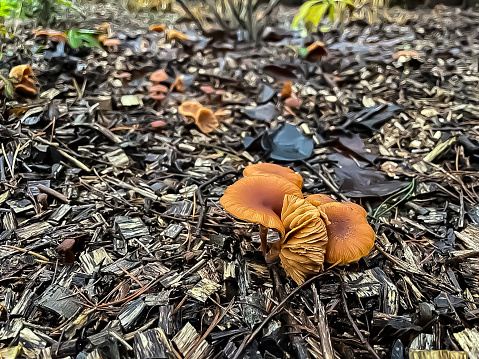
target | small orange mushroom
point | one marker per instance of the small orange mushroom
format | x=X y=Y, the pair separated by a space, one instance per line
x=59 y=36
x=206 y=120
x=266 y=169
x=178 y=85
x=22 y=78
x=26 y=91
x=259 y=199
x=20 y=72
x=287 y=90
x=189 y=108
x=157 y=28
x=293 y=101
x=111 y=42
x=350 y=235
x=174 y=34
x=303 y=248
x=158 y=88
x=158 y=76
x=315 y=51
x=319 y=199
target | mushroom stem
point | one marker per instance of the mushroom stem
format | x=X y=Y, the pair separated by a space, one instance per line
x=272 y=256
x=263 y=234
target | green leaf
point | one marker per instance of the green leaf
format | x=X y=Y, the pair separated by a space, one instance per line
x=78 y=38
x=9 y=90
x=332 y=13
x=303 y=11
x=315 y=15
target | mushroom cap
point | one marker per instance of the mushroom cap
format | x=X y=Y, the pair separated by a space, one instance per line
x=315 y=51
x=158 y=123
x=158 y=76
x=178 y=85
x=266 y=169
x=157 y=96
x=111 y=42
x=189 y=108
x=207 y=89
x=303 y=248
x=206 y=120
x=174 y=34
x=350 y=235
x=25 y=90
x=287 y=90
x=259 y=199
x=18 y=73
x=158 y=88
x=59 y=36
x=293 y=102
x=319 y=199
x=157 y=28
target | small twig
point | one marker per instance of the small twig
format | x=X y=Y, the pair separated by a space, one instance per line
x=44 y=189
x=266 y=18
x=202 y=201
x=275 y=311
x=329 y=184
x=355 y=327
x=193 y=17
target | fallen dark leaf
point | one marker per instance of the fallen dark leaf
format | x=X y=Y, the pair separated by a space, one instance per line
x=266 y=112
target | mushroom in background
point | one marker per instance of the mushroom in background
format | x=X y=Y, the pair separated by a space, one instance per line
x=206 y=120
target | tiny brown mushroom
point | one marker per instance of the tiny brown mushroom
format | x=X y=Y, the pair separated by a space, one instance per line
x=206 y=120
x=157 y=28
x=158 y=76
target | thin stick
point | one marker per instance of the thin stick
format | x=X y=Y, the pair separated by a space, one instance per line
x=275 y=311
x=355 y=327
x=190 y=14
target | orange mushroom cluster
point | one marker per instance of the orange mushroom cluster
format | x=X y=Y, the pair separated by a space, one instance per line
x=313 y=229
x=23 y=80
x=203 y=117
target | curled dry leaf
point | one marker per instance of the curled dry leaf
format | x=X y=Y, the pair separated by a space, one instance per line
x=206 y=120
x=178 y=35
x=350 y=235
x=303 y=247
x=266 y=169
x=259 y=199
x=157 y=28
